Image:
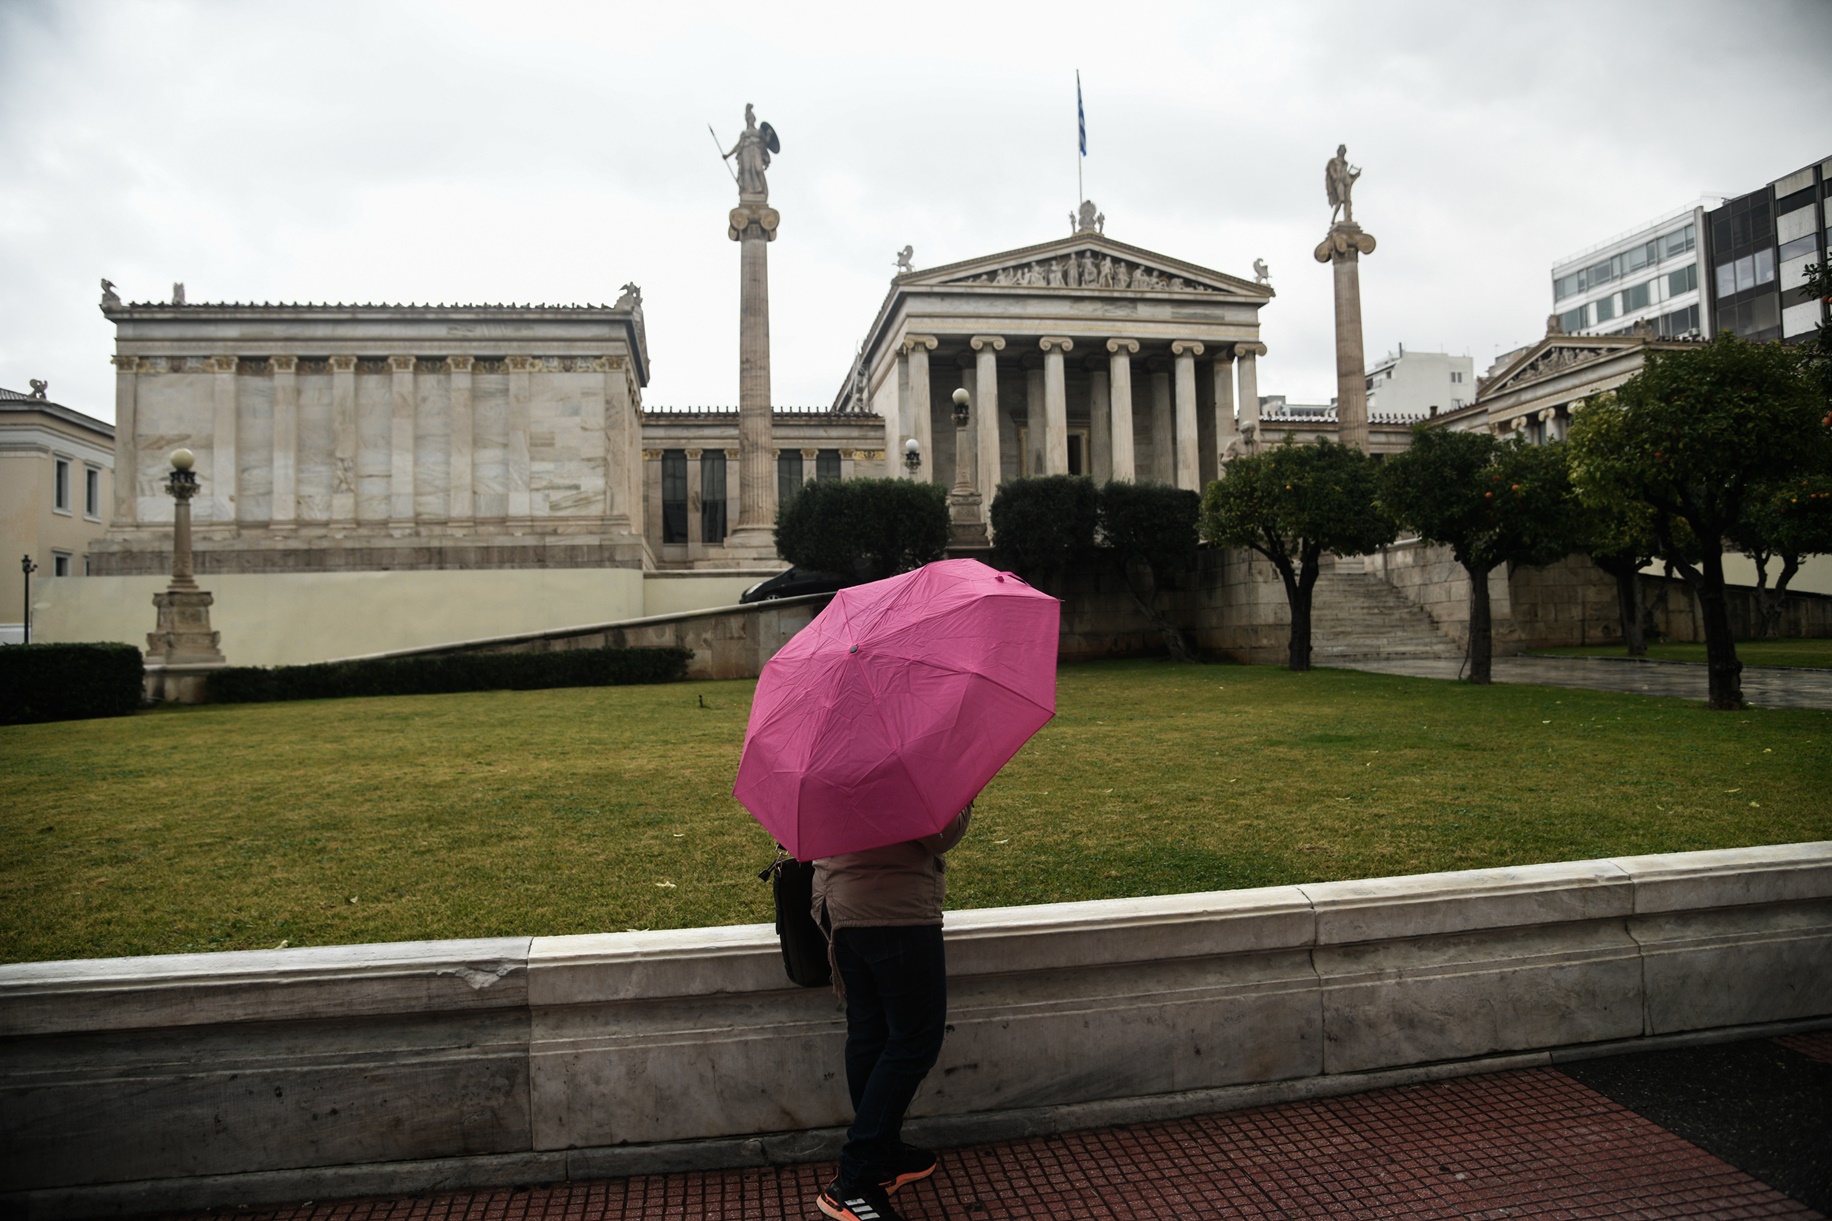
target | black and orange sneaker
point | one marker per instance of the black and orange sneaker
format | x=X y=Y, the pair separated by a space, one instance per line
x=850 y=1202
x=911 y=1165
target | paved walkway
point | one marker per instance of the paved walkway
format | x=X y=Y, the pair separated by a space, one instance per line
x=1763 y=686
x=1531 y=1143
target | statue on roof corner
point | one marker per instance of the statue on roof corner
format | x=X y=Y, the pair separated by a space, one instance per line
x=39 y=388
x=1260 y=273
x=1339 y=180
x=109 y=297
x=178 y=292
x=753 y=151
x=904 y=257
x=631 y=298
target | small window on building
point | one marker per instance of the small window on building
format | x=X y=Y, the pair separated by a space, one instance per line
x=1746 y=272
x=92 y=492
x=674 y=496
x=1726 y=279
x=1606 y=308
x=1572 y=321
x=788 y=474
x=1682 y=281
x=1639 y=297
x=1568 y=286
x=1677 y=242
x=1456 y=375
x=712 y=496
x=827 y=464
x=60 y=563
x=60 y=486
x=1765 y=266
x=1799 y=246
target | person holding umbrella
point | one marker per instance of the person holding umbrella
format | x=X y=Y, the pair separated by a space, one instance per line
x=871 y=732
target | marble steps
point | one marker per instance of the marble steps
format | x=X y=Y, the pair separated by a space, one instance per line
x=1355 y=614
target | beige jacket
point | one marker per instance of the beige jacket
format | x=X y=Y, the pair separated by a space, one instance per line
x=903 y=884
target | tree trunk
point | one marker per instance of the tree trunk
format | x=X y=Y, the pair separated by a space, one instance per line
x=1629 y=606
x=1147 y=601
x=1726 y=691
x=1298 y=589
x=1481 y=629
x=1768 y=603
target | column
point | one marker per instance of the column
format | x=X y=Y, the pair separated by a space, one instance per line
x=286 y=444
x=1227 y=431
x=461 y=505
x=1163 y=422
x=1033 y=421
x=224 y=470
x=893 y=418
x=986 y=414
x=753 y=225
x=695 y=548
x=1342 y=249
x=1055 y=405
x=916 y=413
x=1247 y=354
x=521 y=414
x=400 y=445
x=127 y=441
x=343 y=442
x=1100 y=425
x=1120 y=374
x=1189 y=458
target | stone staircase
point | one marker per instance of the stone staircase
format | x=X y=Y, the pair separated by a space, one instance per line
x=1355 y=613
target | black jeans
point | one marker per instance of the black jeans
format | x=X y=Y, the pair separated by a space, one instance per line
x=896 y=1013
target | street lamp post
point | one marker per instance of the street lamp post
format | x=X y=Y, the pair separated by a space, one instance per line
x=28 y=566
x=912 y=456
x=183 y=648
x=966 y=526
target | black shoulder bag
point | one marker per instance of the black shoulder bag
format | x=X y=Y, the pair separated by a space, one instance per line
x=804 y=945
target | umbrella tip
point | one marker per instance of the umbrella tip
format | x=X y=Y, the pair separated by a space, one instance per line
x=853 y=649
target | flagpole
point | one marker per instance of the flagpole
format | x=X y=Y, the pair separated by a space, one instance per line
x=1081 y=141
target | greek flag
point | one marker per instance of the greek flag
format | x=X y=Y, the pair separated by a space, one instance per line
x=1081 y=118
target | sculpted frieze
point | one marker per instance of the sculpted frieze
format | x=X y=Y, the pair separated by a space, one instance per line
x=1085 y=269
x=1556 y=360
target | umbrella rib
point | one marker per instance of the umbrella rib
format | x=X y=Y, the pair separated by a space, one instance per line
x=966 y=673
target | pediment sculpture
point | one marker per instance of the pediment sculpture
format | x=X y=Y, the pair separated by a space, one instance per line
x=1555 y=360
x=1084 y=269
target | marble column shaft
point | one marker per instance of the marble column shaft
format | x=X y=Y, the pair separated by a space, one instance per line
x=1163 y=438
x=986 y=414
x=753 y=227
x=127 y=441
x=920 y=419
x=224 y=472
x=1125 y=465
x=401 y=442
x=1033 y=422
x=1247 y=354
x=461 y=503
x=1351 y=365
x=1227 y=431
x=1189 y=457
x=343 y=441
x=1055 y=405
x=1100 y=426
x=285 y=443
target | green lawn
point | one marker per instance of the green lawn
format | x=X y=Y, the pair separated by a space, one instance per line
x=583 y=810
x=1815 y=654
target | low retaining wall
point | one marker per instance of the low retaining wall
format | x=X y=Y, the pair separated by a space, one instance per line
x=204 y=1080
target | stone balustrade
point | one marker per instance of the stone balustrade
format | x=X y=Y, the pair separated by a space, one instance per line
x=195 y=1081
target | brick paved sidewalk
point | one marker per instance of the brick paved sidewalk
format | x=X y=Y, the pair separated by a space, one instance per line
x=1530 y=1143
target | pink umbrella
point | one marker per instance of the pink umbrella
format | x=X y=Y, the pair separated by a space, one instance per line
x=885 y=716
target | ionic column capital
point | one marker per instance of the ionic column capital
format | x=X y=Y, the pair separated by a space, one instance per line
x=1186 y=347
x=522 y=364
x=1054 y=343
x=928 y=343
x=401 y=364
x=285 y=364
x=126 y=364
x=223 y=364
x=459 y=364
x=343 y=364
x=1128 y=346
x=1245 y=350
x=995 y=342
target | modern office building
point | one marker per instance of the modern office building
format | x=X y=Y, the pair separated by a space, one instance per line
x=1647 y=275
x=1419 y=385
x=1758 y=247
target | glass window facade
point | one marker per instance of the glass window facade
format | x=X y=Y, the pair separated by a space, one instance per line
x=788 y=474
x=1573 y=321
x=1682 y=281
x=827 y=464
x=674 y=496
x=712 y=496
x=1677 y=242
x=60 y=485
x=1799 y=246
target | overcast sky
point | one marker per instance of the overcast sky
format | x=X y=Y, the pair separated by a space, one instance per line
x=405 y=151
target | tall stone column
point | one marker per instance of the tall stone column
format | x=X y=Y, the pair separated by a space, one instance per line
x=518 y=458
x=1163 y=438
x=1342 y=249
x=1033 y=419
x=461 y=503
x=753 y=226
x=343 y=442
x=127 y=441
x=1189 y=456
x=285 y=512
x=1247 y=355
x=986 y=414
x=1055 y=405
x=1227 y=430
x=1100 y=425
x=1120 y=373
x=921 y=417
x=400 y=445
x=224 y=471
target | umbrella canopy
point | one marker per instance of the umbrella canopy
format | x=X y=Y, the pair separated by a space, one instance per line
x=889 y=712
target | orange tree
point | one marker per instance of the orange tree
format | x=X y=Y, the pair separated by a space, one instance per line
x=1701 y=436
x=1491 y=502
x=1291 y=504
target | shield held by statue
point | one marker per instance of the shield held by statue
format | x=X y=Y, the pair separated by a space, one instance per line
x=769 y=138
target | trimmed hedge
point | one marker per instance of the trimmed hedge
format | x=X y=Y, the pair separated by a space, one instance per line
x=69 y=682
x=1153 y=523
x=1042 y=524
x=871 y=528
x=443 y=675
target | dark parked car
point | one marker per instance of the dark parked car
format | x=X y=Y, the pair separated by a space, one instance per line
x=794 y=583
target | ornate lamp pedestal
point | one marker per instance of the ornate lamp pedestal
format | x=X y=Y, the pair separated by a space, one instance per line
x=966 y=522
x=182 y=650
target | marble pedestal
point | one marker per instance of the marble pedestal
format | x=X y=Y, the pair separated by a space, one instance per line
x=182 y=649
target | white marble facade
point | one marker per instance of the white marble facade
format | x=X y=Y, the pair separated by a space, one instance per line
x=343 y=437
